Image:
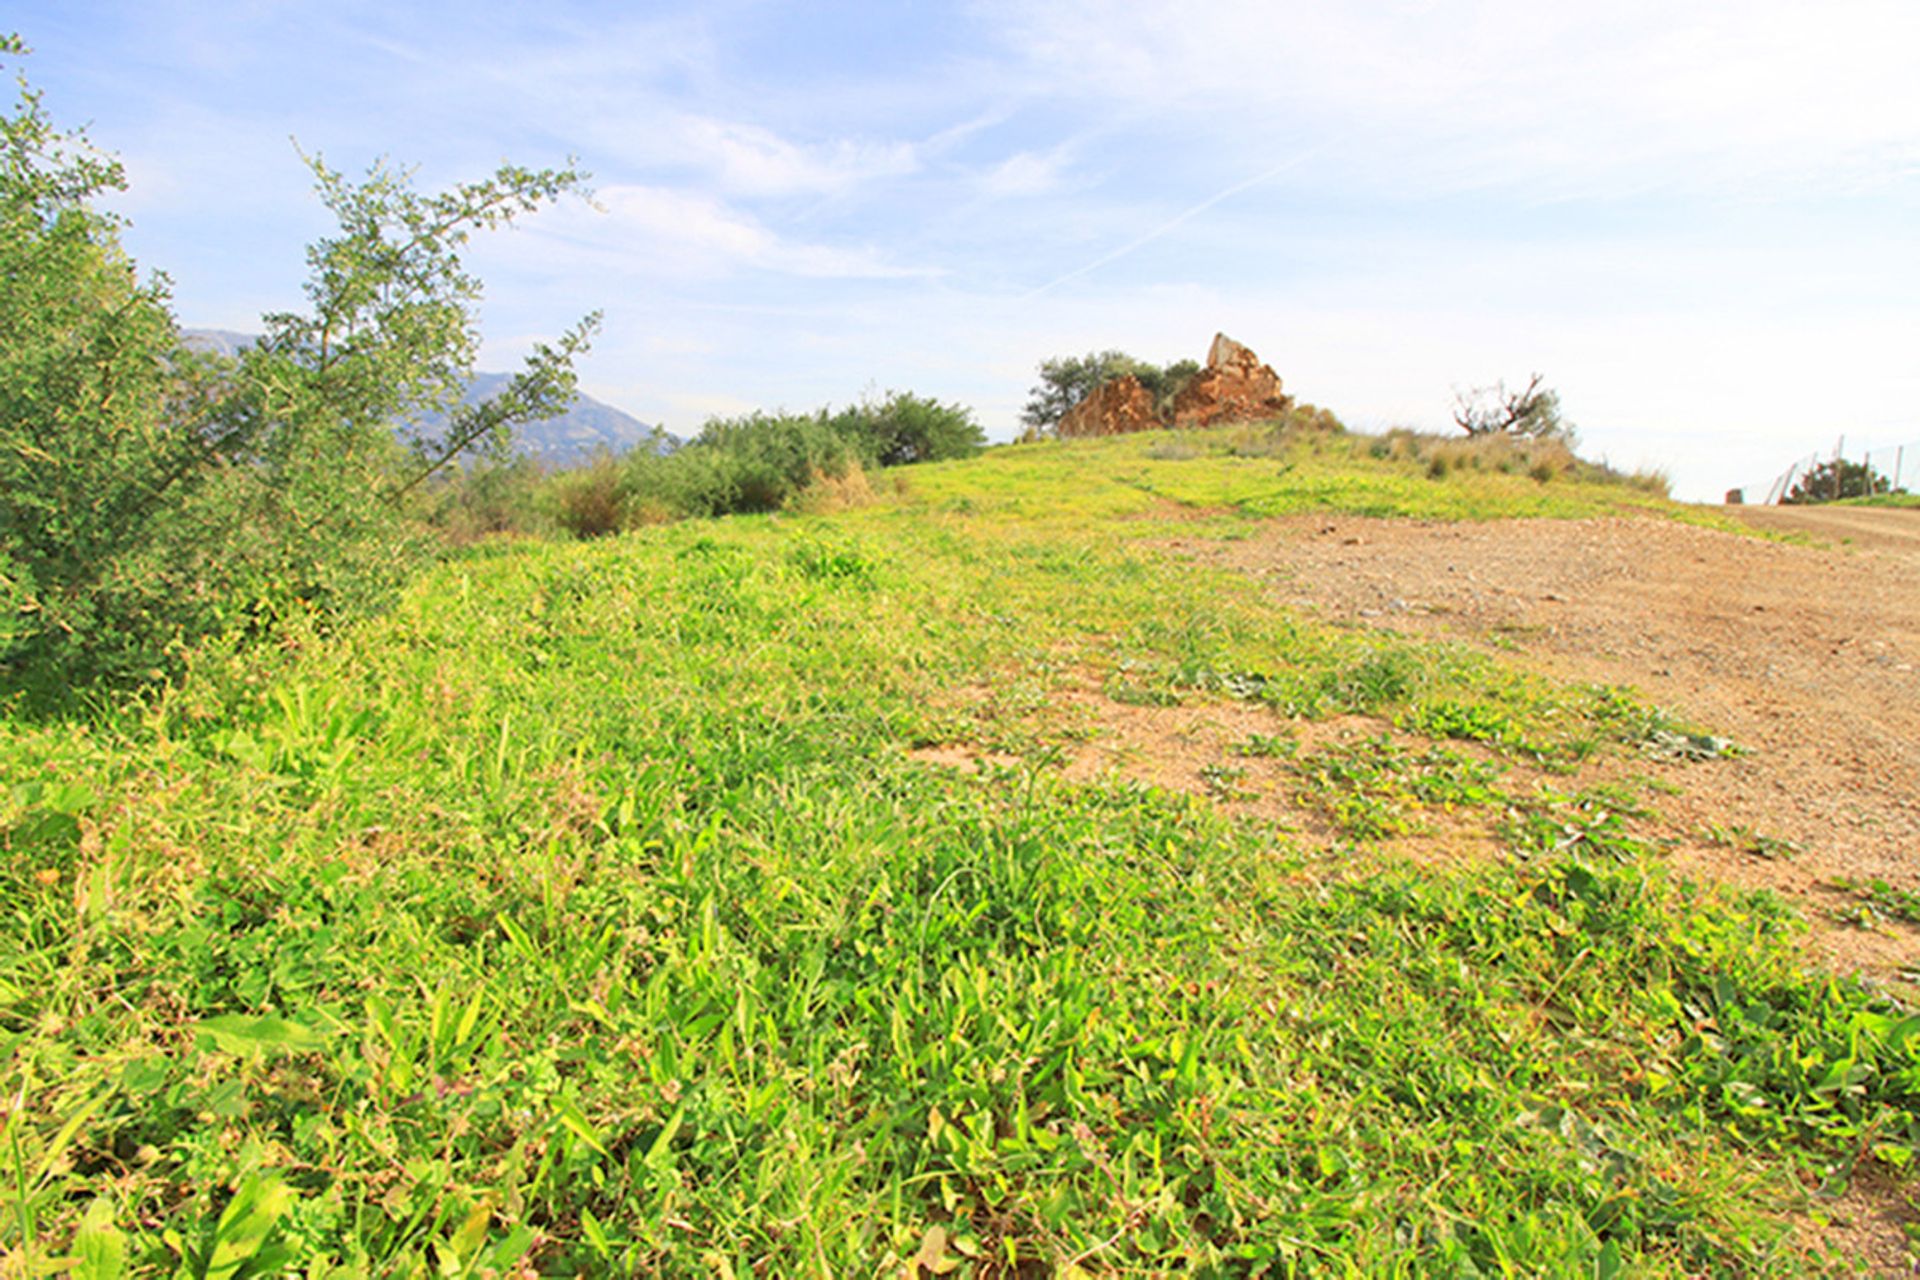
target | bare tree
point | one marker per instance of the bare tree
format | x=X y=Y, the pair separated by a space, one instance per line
x=1533 y=411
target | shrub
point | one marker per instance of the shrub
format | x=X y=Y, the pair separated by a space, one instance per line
x=904 y=428
x=487 y=497
x=772 y=457
x=590 y=500
x=1533 y=412
x=1835 y=479
x=151 y=497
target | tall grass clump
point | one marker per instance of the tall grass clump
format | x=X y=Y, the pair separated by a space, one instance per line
x=1541 y=459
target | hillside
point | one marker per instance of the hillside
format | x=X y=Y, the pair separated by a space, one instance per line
x=1067 y=864
x=589 y=425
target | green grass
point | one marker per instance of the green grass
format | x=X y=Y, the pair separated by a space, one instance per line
x=593 y=913
x=1260 y=472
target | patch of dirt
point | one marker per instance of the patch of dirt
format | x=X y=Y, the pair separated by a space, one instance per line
x=1807 y=656
x=958 y=755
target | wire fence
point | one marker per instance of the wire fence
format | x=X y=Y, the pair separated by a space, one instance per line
x=1840 y=473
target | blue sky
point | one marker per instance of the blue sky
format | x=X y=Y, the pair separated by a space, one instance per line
x=1697 y=219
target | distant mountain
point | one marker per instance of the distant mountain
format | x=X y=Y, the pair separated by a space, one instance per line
x=219 y=342
x=563 y=441
x=587 y=426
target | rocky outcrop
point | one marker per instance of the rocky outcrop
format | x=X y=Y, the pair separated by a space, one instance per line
x=1234 y=387
x=1115 y=408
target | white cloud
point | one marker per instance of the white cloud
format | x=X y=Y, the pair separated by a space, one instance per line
x=1025 y=173
x=755 y=161
x=683 y=232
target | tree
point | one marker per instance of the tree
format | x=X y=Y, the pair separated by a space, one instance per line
x=1837 y=478
x=151 y=496
x=1165 y=384
x=1066 y=381
x=1532 y=412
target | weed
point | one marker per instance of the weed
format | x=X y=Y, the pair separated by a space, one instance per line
x=1878 y=898
x=1374 y=787
x=1224 y=782
x=1588 y=824
x=1750 y=842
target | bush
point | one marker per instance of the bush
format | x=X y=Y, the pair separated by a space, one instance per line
x=770 y=458
x=591 y=500
x=1836 y=479
x=765 y=462
x=488 y=497
x=151 y=497
x=904 y=428
x=1532 y=413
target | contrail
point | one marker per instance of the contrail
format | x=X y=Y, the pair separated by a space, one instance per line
x=1176 y=220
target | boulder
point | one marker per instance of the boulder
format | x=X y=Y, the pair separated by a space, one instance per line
x=1234 y=387
x=1116 y=407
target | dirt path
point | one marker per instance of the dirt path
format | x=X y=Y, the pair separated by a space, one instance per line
x=1808 y=656
x=1895 y=530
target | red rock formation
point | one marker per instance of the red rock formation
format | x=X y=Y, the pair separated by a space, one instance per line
x=1116 y=407
x=1234 y=387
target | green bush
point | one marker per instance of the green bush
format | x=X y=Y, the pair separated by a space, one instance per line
x=1838 y=478
x=151 y=497
x=904 y=428
x=770 y=458
x=763 y=462
x=489 y=496
x=591 y=500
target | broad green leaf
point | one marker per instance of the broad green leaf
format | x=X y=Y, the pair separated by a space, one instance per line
x=100 y=1250
x=238 y=1034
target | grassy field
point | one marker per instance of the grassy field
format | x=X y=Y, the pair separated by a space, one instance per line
x=605 y=909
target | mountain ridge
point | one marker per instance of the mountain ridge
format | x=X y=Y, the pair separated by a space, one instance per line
x=587 y=426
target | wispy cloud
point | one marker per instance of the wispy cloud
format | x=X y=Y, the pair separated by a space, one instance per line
x=1171 y=224
x=1509 y=93
x=756 y=161
x=689 y=232
x=1025 y=173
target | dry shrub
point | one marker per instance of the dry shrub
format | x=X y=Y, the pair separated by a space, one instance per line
x=825 y=492
x=1543 y=460
x=590 y=501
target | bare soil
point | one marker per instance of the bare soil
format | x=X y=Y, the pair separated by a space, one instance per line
x=1806 y=655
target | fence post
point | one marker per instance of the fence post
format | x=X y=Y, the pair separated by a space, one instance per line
x=1899 y=456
